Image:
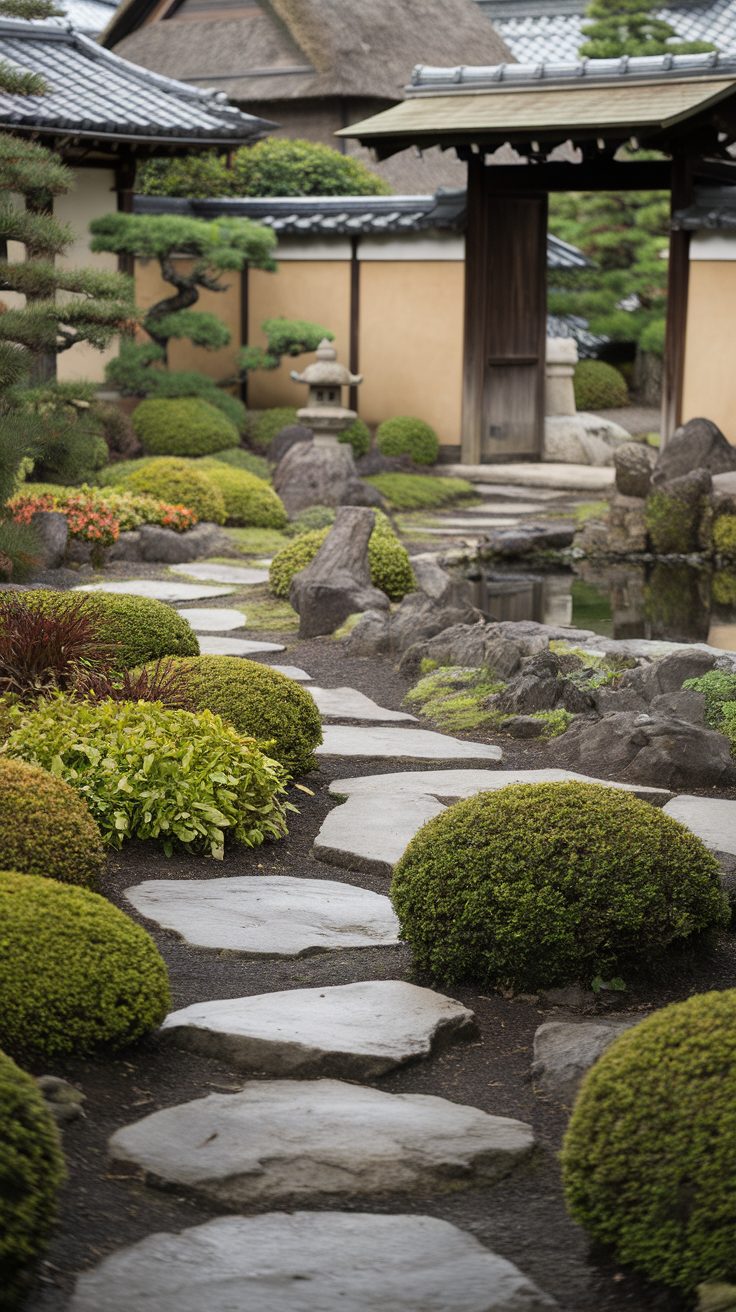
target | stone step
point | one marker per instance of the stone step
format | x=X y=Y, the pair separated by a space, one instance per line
x=355 y=1031
x=452 y=785
x=279 y=1141
x=513 y=492
x=349 y=704
x=291 y=671
x=390 y=744
x=269 y=915
x=309 y=1262
x=157 y=589
x=216 y=572
x=467 y=530
x=713 y=819
x=213 y=619
x=542 y=474
x=214 y=644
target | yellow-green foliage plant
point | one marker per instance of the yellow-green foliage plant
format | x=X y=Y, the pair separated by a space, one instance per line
x=249 y=501
x=45 y=828
x=180 y=482
x=31 y=1174
x=182 y=426
x=724 y=536
x=139 y=629
x=260 y=702
x=75 y=973
x=389 y=561
x=649 y=1158
x=539 y=885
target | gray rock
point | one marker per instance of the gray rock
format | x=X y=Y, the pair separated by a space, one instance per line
x=283 y=1140
x=170 y=548
x=310 y=475
x=355 y=1031
x=127 y=547
x=372 y=835
x=349 y=704
x=337 y=582
x=309 y=1262
x=524 y=726
x=471 y=645
x=685 y=705
x=713 y=819
x=634 y=462
x=564 y=1051
x=540 y=686
x=52 y=532
x=649 y=749
x=698 y=444
x=64 y=1100
x=668 y=674
x=369 y=743
x=435 y=582
x=627 y=525
x=525 y=539
x=286 y=439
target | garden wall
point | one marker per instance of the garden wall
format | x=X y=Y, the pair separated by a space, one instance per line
x=710 y=378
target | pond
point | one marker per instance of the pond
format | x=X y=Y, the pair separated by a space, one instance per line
x=668 y=600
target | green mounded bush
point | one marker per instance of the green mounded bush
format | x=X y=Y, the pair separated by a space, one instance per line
x=260 y=702
x=240 y=458
x=264 y=427
x=358 y=436
x=649 y=1158
x=140 y=628
x=147 y=772
x=599 y=386
x=45 y=829
x=75 y=972
x=390 y=565
x=31 y=1174
x=405 y=436
x=420 y=491
x=539 y=885
x=718 y=687
x=724 y=535
x=249 y=501
x=180 y=482
x=182 y=426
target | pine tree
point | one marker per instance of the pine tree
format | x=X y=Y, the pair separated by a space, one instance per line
x=631 y=27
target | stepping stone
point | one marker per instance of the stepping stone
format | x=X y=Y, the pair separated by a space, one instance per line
x=550 y=475
x=500 y=519
x=349 y=704
x=297 y=1140
x=341 y=740
x=370 y=833
x=157 y=589
x=513 y=507
x=514 y=493
x=469 y=530
x=219 y=573
x=713 y=819
x=357 y=1031
x=452 y=785
x=214 y=645
x=309 y=1262
x=292 y=672
x=214 y=619
x=268 y=915
x=565 y=1050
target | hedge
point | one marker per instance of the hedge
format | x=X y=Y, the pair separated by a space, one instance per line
x=185 y=426
x=249 y=501
x=45 y=829
x=405 y=436
x=180 y=482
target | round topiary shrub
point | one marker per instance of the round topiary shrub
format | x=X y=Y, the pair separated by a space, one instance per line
x=139 y=628
x=248 y=499
x=74 y=971
x=263 y=428
x=45 y=829
x=31 y=1174
x=259 y=702
x=391 y=569
x=405 y=436
x=599 y=386
x=539 y=885
x=183 y=426
x=649 y=1159
x=179 y=482
x=358 y=436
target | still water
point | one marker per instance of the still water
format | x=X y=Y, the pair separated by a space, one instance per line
x=676 y=602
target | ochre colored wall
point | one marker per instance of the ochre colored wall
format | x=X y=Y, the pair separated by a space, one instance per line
x=221 y=365
x=317 y=290
x=93 y=195
x=710 y=376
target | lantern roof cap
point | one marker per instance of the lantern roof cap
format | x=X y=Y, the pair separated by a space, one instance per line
x=326 y=371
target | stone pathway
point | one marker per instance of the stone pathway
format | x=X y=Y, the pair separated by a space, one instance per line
x=713 y=819
x=213 y=644
x=157 y=589
x=213 y=619
x=402 y=745
x=293 y=672
x=349 y=704
x=547 y=475
x=219 y=573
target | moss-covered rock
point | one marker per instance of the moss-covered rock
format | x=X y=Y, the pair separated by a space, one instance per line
x=182 y=426
x=180 y=483
x=674 y=512
x=724 y=536
x=45 y=829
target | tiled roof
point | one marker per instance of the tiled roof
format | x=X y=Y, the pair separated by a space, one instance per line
x=88 y=16
x=714 y=208
x=94 y=96
x=623 y=71
x=552 y=29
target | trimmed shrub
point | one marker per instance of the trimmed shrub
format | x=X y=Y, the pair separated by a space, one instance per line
x=149 y=772
x=358 y=436
x=74 y=971
x=182 y=426
x=390 y=565
x=259 y=702
x=139 y=629
x=45 y=829
x=539 y=885
x=408 y=437
x=263 y=428
x=240 y=458
x=180 y=482
x=599 y=386
x=249 y=501
x=31 y=1174
x=649 y=1158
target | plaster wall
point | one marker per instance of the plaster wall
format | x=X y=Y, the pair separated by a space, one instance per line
x=709 y=387
x=313 y=289
x=93 y=195
x=150 y=287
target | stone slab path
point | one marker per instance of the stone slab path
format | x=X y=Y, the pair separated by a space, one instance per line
x=218 y=573
x=214 y=644
x=452 y=785
x=355 y=1031
x=157 y=589
x=349 y=704
x=547 y=474
x=402 y=744
x=292 y=672
x=713 y=819
x=213 y=619
x=309 y=1262
x=292 y=1140
x=468 y=530
x=268 y=915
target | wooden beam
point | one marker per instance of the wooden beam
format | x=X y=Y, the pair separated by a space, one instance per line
x=677 y=298
x=476 y=250
x=244 y=327
x=354 y=318
x=590 y=175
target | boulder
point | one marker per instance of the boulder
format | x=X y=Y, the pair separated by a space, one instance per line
x=127 y=547
x=627 y=525
x=52 y=532
x=310 y=475
x=669 y=674
x=565 y=1050
x=471 y=645
x=661 y=750
x=525 y=539
x=581 y=439
x=337 y=582
x=524 y=726
x=170 y=548
x=698 y=444
x=675 y=509
x=684 y=705
x=541 y=686
x=634 y=463
x=286 y=439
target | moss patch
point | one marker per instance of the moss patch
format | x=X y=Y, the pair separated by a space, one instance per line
x=453 y=696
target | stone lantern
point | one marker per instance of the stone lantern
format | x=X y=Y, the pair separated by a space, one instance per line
x=324 y=412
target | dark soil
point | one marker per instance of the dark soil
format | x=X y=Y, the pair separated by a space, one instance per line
x=105 y=1206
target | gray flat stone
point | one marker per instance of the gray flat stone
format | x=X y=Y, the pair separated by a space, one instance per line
x=468 y=530
x=292 y=672
x=157 y=589
x=499 y=519
x=402 y=745
x=356 y=1031
x=713 y=819
x=557 y=477
x=565 y=1050
x=269 y=915
x=371 y=831
x=215 y=644
x=219 y=573
x=309 y=1262
x=452 y=785
x=282 y=1140
x=514 y=493
x=214 y=619
x=349 y=704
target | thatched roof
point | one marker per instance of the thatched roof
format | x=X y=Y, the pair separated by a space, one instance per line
x=275 y=50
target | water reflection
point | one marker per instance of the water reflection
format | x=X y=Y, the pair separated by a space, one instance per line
x=672 y=601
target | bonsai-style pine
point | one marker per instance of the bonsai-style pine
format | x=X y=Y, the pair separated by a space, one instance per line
x=631 y=27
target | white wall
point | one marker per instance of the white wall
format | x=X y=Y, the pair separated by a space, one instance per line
x=93 y=195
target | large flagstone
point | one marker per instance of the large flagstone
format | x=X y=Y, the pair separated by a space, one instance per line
x=157 y=589
x=296 y=1140
x=293 y=672
x=349 y=704
x=402 y=744
x=268 y=915
x=357 y=1031
x=214 y=619
x=215 y=644
x=452 y=785
x=218 y=573
x=309 y=1262
x=713 y=819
